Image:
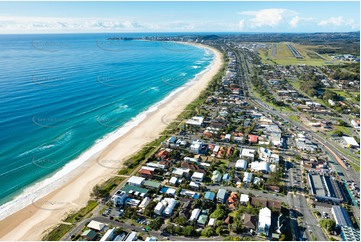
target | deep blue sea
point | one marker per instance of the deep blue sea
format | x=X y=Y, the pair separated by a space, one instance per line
x=61 y=94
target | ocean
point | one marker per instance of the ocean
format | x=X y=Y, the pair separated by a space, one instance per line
x=64 y=97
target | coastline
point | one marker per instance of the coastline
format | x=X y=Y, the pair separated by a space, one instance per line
x=30 y=222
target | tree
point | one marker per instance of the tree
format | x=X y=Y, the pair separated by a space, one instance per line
x=208 y=232
x=220 y=212
x=189 y=231
x=178 y=230
x=219 y=230
x=155 y=224
x=170 y=229
x=341 y=122
x=181 y=221
x=99 y=192
x=328 y=224
x=150 y=208
x=282 y=237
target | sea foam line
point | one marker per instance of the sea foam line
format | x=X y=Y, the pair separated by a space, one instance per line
x=46 y=186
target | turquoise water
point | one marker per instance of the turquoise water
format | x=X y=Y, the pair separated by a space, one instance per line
x=61 y=94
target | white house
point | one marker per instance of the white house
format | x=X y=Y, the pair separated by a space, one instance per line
x=194 y=185
x=267 y=155
x=173 y=181
x=144 y=202
x=95 y=225
x=216 y=176
x=132 y=236
x=108 y=236
x=196 y=121
x=181 y=172
x=195 y=214
x=159 y=208
x=136 y=181
x=264 y=221
x=247 y=177
x=196 y=146
x=171 y=203
x=260 y=167
x=247 y=154
x=241 y=164
x=197 y=177
x=244 y=198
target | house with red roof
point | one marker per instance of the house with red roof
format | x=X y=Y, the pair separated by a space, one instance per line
x=252 y=138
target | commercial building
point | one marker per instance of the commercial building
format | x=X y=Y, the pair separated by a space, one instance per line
x=341 y=216
x=350 y=142
x=323 y=188
x=350 y=234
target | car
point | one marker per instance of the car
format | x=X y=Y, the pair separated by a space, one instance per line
x=111 y=217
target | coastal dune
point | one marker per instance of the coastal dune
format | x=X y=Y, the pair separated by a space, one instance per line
x=30 y=222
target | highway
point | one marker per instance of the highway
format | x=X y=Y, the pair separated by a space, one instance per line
x=298 y=204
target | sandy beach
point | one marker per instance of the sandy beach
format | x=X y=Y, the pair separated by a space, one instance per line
x=30 y=222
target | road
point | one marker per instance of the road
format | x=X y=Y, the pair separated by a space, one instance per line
x=256 y=193
x=330 y=148
x=298 y=204
x=129 y=227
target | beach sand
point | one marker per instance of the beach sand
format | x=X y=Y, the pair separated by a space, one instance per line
x=31 y=222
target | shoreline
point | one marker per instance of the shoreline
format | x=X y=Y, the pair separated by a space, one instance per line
x=30 y=222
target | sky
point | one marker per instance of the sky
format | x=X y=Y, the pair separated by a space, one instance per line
x=242 y=16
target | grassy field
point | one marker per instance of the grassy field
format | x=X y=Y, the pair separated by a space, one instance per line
x=295 y=118
x=348 y=96
x=285 y=57
x=343 y=129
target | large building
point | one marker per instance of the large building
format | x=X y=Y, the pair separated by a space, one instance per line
x=341 y=216
x=350 y=234
x=323 y=188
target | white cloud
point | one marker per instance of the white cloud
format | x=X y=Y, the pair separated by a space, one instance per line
x=268 y=17
x=241 y=24
x=38 y=24
x=296 y=20
x=338 y=22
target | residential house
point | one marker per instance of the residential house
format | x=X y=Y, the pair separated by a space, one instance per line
x=136 y=181
x=89 y=235
x=181 y=172
x=197 y=177
x=258 y=202
x=247 y=177
x=247 y=154
x=232 y=200
x=249 y=221
x=244 y=199
x=264 y=221
x=195 y=214
x=97 y=226
x=146 y=173
x=241 y=164
x=221 y=195
x=202 y=220
x=216 y=176
x=196 y=146
x=209 y=196
x=260 y=167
